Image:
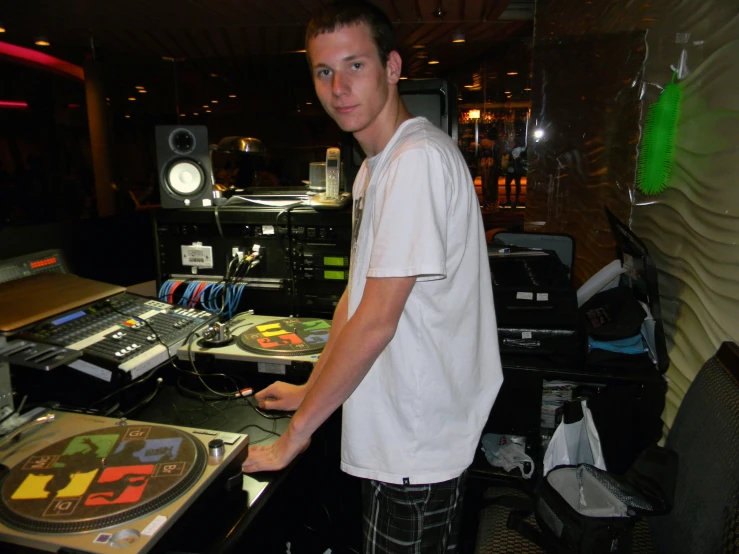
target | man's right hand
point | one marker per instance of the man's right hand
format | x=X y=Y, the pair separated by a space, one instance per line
x=281 y=396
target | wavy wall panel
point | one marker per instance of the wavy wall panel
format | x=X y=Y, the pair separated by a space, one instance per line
x=692 y=229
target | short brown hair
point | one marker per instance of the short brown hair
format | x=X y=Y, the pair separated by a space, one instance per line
x=343 y=13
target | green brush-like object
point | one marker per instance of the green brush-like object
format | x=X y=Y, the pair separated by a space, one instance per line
x=658 y=141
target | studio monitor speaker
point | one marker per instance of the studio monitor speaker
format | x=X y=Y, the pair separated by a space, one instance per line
x=184 y=166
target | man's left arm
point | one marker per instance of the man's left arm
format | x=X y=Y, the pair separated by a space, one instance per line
x=360 y=342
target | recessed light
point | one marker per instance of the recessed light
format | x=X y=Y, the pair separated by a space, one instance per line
x=132 y=99
x=512 y=73
x=195 y=113
x=469 y=86
x=527 y=89
x=140 y=87
x=418 y=46
x=402 y=78
x=207 y=111
x=2 y=29
x=214 y=101
x=311 y=103
x=183 y=115
x=507 y=92
x=232 y=96
x=458 y=36
x=41 y=41
x=206 y=106
x=214 y=74
x=433 y=62
x=142 y=91
x=127 y=116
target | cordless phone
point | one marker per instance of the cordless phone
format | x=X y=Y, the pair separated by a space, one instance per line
x=333 y=172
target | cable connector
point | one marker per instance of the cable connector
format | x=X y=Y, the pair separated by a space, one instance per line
x=243 y=393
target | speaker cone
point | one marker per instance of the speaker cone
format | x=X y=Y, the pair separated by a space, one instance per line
x=185 y=177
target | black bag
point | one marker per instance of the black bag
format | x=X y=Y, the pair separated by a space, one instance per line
x=584 y=510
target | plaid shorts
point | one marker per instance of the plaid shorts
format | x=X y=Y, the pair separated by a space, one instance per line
x=412 y=519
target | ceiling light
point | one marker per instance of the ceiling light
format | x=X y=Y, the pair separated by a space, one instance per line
x=206 y=106
x=469 y=86
x=214 y=101
x=42 y=41
x=139 y=87
x=195 y=113
x=538 y=133
x=311 y=103
x=507 y=92
x=214 y=74
x=527 y=89
x=433 y=62
x=474 y=114
x=403 y=78
x=512 y=73
x=183 y=115
x=418 y=46
x=2 y=29
x=207 y=111
x=232 y=96
x=127 y=116
x=142 y=91
x=132 y=99
x=457 y=36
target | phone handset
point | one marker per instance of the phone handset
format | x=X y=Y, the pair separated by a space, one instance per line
x=333 y=172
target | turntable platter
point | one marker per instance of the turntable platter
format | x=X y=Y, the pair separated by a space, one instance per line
x=286 y=337
x=100 y=478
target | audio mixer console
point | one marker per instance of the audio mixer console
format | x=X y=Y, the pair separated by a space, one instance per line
x=120 y=337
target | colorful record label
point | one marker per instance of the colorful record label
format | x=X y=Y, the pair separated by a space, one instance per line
x=96 y=479
x=286 y=337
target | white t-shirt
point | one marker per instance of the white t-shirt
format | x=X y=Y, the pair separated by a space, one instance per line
x=417 y=416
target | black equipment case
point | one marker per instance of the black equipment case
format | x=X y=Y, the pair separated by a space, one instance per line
x=535 y=301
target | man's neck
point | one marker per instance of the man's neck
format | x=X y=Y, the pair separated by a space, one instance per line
x=374 y=138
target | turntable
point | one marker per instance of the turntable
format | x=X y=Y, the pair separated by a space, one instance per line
x=87 y=483
x=274 y=344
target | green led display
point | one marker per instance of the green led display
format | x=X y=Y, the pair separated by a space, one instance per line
x=330 y=260
x=333 y=275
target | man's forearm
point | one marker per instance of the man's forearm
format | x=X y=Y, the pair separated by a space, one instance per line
x=337 y=324
x=350 y=360
x=356 y=347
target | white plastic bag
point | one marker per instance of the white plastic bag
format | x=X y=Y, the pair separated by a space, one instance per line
x=575 y=443
x=508 y=452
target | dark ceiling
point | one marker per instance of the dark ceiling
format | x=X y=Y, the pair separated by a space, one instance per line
x=217 y=48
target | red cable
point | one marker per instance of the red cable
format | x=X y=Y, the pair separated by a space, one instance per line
x=171 y=291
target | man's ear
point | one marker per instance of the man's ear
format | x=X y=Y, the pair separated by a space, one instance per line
x=394 y=66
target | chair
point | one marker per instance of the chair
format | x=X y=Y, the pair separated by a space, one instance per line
x=705 y=435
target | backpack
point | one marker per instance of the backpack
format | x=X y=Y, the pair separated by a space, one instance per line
x=585 y=510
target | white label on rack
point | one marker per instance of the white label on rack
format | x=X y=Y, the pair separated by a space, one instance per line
x=524 y=296
x=542 y=296
x=277 y=369
x=526 y=335
x=268 y=229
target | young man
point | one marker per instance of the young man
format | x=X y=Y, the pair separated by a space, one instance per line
x=413 y=353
